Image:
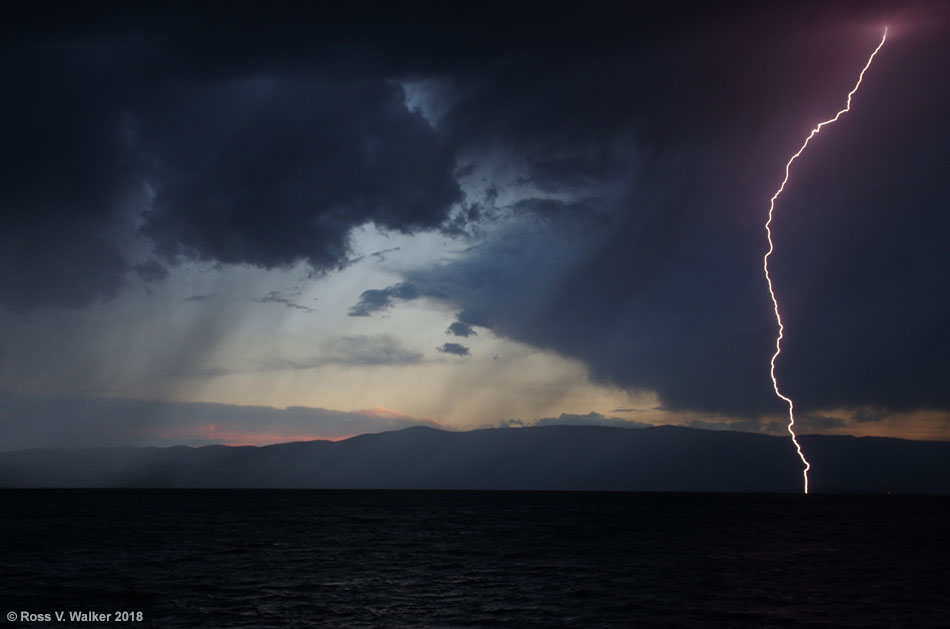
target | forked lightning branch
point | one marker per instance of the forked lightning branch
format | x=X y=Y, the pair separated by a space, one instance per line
x=765 y=261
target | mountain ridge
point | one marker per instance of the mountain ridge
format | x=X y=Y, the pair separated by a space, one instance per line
x=660 y=458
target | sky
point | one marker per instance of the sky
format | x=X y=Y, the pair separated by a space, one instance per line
x=256 y=224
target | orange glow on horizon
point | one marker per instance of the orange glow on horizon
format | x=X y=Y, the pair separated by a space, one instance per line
x=210 y=432
x=382 y=411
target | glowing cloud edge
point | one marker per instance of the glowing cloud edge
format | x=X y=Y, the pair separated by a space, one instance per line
x=765 y=260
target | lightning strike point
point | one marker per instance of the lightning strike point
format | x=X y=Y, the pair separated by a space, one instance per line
x=765 y=260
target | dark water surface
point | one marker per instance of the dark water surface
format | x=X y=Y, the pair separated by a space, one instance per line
x=402 y=558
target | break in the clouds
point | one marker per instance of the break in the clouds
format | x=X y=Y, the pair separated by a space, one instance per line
x=608 y=174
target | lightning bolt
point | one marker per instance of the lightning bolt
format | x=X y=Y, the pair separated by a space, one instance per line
x=765 y=260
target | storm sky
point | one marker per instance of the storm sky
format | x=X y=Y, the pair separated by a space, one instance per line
x=275 y=222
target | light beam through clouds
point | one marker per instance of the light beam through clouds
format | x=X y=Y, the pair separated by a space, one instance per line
x=765 y=261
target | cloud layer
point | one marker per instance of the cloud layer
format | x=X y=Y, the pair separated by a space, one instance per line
x=271 y=172
x=77 y=422
x=612 y=169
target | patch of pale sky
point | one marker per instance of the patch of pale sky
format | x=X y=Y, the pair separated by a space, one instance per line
x=152 y=342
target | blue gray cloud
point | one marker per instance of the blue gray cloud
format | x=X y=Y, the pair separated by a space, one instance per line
x=454 y=348
x=458 y=328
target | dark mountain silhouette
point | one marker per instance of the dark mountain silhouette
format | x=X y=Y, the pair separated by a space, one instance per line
x=665 y=458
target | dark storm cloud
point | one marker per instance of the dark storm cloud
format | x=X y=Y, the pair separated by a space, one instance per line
x=585 y=214
x=580 y=171
x=453 y=348
x=460 y=329
x=272 y=171
x=266 y=136
x=63 y=175
x=673 y=299
x=473 y=315
x=265 y=141
x=151 y=271
x=257 y=148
